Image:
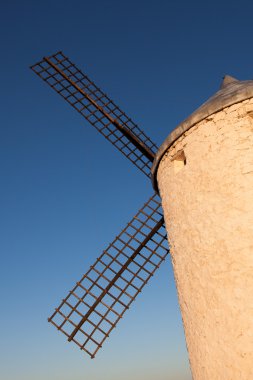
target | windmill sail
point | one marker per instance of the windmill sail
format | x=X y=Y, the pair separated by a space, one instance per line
x=98 y=301
x=75 y=87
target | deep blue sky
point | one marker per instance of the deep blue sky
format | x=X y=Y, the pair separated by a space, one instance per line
x=66 y=192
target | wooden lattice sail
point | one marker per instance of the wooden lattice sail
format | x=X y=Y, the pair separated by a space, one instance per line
x=99 y=300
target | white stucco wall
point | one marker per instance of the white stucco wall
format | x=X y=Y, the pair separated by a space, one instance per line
x=206 y=185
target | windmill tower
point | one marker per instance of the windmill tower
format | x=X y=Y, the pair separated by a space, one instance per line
x=203 y=172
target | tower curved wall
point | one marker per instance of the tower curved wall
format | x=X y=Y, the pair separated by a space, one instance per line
x=205 y=180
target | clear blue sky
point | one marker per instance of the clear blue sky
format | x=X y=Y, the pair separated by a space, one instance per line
x=66 y=192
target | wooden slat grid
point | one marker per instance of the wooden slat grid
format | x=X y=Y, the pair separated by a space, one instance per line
x=98 y=301
x=78 y=90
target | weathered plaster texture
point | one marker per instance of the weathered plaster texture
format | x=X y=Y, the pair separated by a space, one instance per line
x=208 y=206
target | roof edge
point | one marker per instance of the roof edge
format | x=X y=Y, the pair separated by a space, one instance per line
x=233 y=93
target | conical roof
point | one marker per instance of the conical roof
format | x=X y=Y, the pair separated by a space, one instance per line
x=231 y=91
x=227 y=80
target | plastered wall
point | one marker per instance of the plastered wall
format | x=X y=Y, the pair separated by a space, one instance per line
x=206 y=185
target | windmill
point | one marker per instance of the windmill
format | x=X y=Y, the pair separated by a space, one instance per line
x=97 y=302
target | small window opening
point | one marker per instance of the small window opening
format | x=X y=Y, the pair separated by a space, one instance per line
x=179 y=161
